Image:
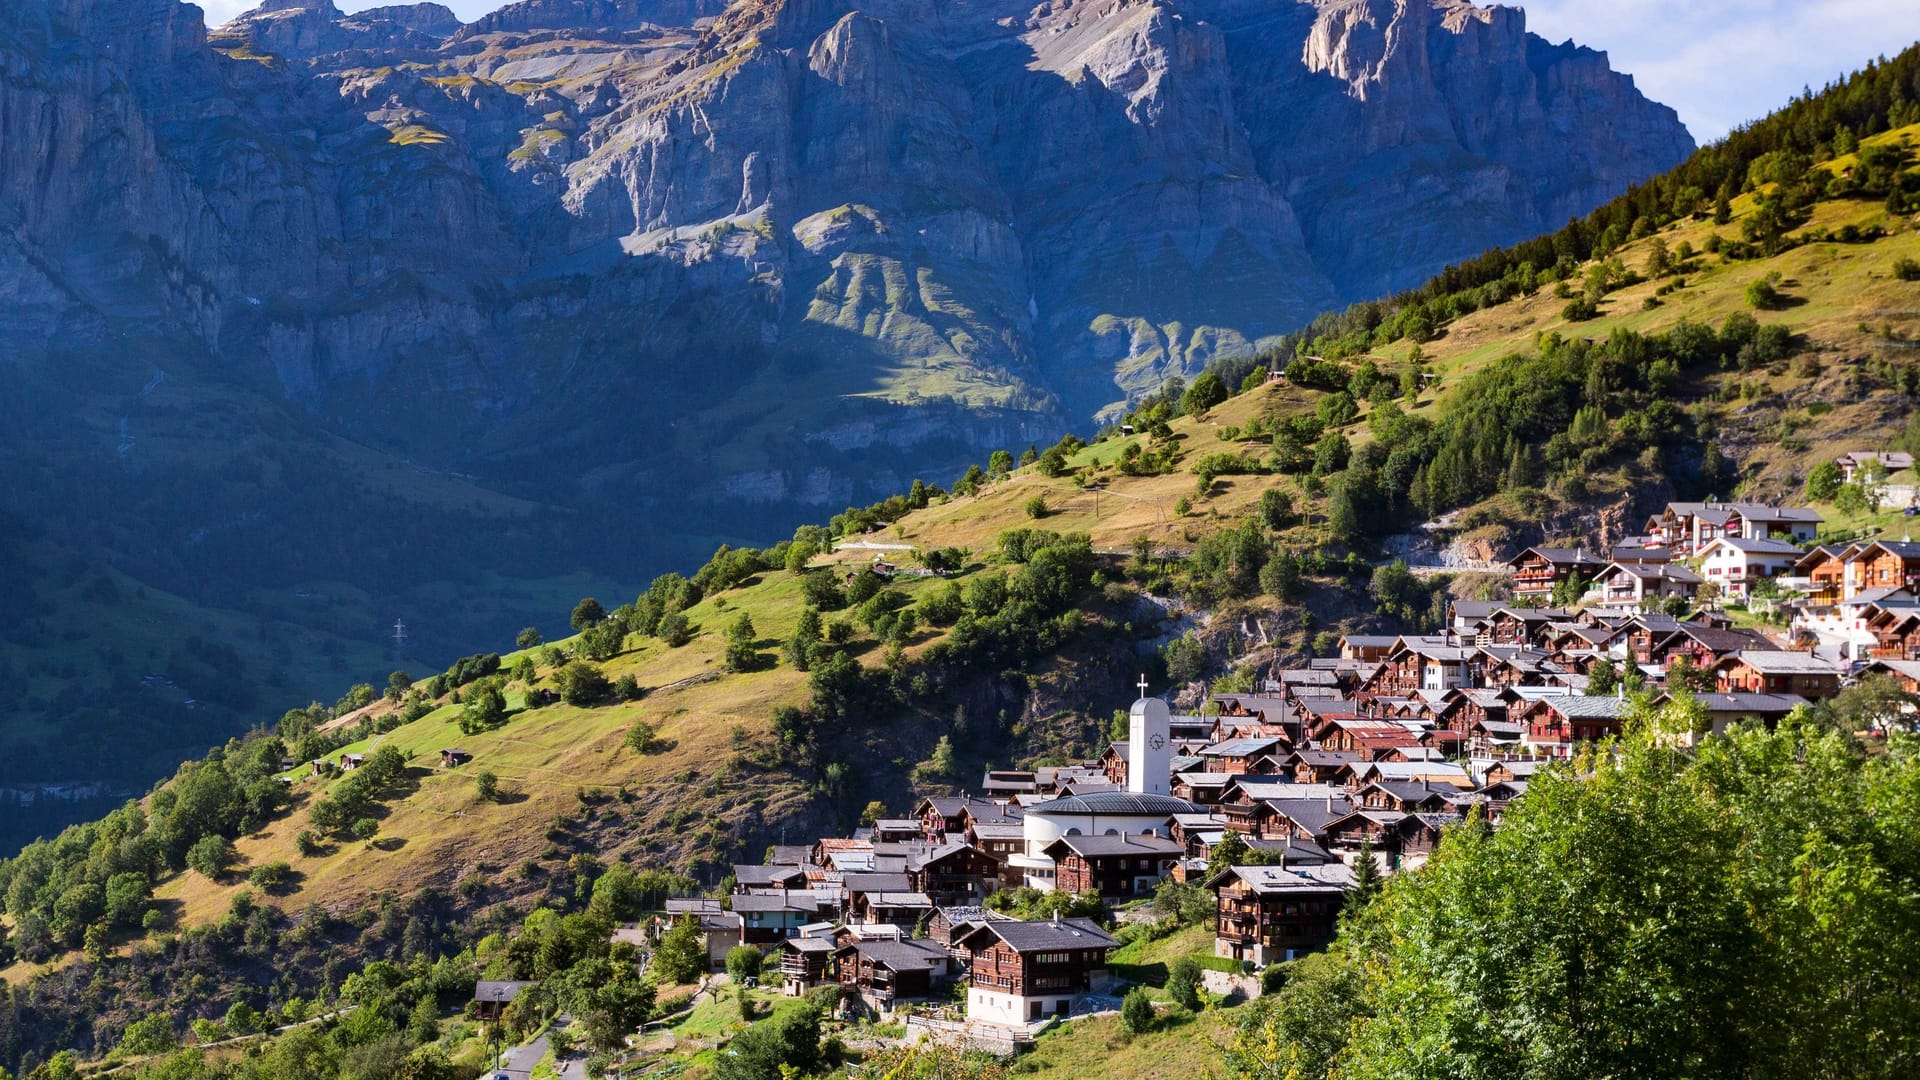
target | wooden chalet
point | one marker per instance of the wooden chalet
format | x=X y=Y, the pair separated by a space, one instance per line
x=1370 y=647
x=1775 y=671
x=491 y=997
x=1114 y=866
x=1535 y=571
x=1724 y=709
x=1556 y=724
x=1278 y=819
x=454 y=758
x=884 y=974
x=1403 y=796
x=1024 y=972
x=1410 y=841
x=1245 y=756
x=806 y=962
x=1703 y=646
x=905 y=910
x=1905 y=672
x=1270 y=914
x=1521 y=625
x=1895 y=630
x=1888 y=564
x=953 y=873
x=1320 y=766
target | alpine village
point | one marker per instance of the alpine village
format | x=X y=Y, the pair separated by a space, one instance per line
x=1517 y=676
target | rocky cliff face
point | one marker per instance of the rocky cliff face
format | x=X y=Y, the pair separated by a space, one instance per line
x=767 y=220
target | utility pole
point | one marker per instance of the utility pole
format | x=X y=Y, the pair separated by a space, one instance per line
x=399 y=636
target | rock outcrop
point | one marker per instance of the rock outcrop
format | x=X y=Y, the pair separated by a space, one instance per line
x=765 y=219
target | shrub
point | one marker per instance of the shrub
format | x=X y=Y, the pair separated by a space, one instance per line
x=486 y=785
x=1580 y=309
x=1136 y=1012
x=1275 y=508
x=583 y=684
x=644 y=738
x=210 y=856
x=1183 y=983
x=1037 y=507
x=744 y=962
x=1906 y=269
x=270 y=876
x=1762 y=294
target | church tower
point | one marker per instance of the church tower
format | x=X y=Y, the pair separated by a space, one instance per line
x=1149 y=745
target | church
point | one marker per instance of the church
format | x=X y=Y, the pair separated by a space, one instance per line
x=1144 y=808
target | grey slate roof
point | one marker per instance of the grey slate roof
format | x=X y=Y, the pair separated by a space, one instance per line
x=1279 y=881
x=1781 y=662
x=1048 y=936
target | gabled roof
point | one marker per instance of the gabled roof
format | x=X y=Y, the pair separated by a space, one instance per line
x=1745 y=704
x=1715 y=639
x=1048 y=936
x=1673 y=572
x=1412 y=791
x=1319 y=879
x=1908 y=668
x=900 y=955
x=749 y=876
x=1312 y=815
x=1905 y=549
x=1587 y=706
x=1764 y=512
x=1265 y=788
x=1781 y=662
x=1559 y=556
x=1329 y=706
x=1893 y=460
x=1472 y=610
x=781 y=902
x=873 y=883
x=1240 y=748
x=1753 y=547
x=1325 y=757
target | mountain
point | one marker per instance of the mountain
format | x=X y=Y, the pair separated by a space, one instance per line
x=324 y=323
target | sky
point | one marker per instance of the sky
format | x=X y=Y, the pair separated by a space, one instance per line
x=1719 y=63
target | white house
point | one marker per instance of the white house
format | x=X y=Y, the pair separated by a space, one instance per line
x=1731 y=561
x=1624 y=585
x=1889 y=462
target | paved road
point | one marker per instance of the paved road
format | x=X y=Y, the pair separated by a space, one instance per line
x=522 y=1059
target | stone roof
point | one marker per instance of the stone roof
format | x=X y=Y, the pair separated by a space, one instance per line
x=1047 y=936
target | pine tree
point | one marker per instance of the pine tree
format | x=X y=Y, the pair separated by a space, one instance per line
x=1520 y=469
x=805 y=640
x=1366 y=877
x=740 y=638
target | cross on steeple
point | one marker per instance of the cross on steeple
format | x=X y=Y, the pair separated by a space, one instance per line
x=1143 y=686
